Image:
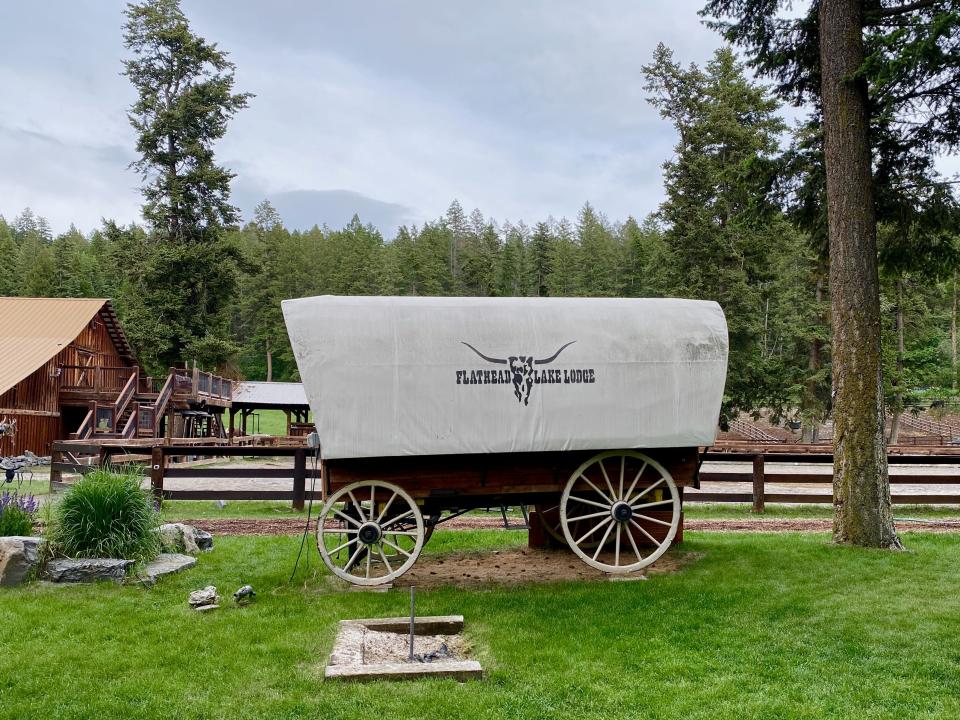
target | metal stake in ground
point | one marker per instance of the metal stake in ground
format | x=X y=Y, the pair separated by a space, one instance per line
x=412 y=609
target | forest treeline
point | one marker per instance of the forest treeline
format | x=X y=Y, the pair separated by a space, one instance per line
x=742 y=223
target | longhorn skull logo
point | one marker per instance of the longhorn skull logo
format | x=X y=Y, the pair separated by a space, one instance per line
x=521 y=369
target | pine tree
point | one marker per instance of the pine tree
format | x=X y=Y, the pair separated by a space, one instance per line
x=721 y=236
x=184 y=101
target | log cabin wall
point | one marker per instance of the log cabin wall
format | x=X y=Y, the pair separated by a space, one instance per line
x=36 y=397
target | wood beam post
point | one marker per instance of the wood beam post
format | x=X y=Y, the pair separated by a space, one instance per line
x=299 y=478
x=156 y=474
x=759 y=499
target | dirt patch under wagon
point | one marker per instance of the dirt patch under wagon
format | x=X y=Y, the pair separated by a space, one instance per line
x=519 y=566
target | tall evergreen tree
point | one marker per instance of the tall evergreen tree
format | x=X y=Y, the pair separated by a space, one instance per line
x=721 y=225
x=184 y=101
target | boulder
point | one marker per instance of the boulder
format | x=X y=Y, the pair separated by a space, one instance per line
x=178 y=538
x=203 y=598
x=18 y=556
x=165 y=564
x=203 y=538
x=77 y=570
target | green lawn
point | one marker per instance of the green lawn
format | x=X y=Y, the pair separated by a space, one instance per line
x=763 y=626
x=184 y=509
x=271 y=422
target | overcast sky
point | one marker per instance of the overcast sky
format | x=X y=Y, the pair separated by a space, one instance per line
x=389 y=109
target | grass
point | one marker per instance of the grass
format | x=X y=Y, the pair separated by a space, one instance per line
x=272 y=422
x=764 y=626
x=186 y=509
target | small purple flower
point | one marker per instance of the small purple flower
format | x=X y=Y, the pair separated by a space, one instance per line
x=26 y=503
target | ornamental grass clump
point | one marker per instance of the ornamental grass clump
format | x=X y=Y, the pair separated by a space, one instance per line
x=106 y=515
x=17 y=513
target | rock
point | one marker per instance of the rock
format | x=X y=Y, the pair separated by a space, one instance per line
x=203 y=538
x=206 y=596
x=77 y=570
x=18 y=556
x=178 y=538
x=204 y=608
x=166 y=564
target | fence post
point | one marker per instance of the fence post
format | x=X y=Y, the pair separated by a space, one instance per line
x=299 y=478
x=758 y=490
x=156 y=473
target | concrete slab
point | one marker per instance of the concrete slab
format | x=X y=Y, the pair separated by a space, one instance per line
x=457 y=669
x=347 y=657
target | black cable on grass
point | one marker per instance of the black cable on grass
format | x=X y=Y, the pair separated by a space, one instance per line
x=306 y=528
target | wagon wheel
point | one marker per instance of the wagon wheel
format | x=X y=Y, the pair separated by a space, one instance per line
x=370 y=532
x=549 y=516
x=616 y=486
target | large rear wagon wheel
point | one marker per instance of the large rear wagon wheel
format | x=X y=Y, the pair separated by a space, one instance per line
x=617 y=489
x=370 y=532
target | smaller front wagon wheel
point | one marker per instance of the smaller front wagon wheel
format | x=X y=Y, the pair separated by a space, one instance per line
x=370 y=532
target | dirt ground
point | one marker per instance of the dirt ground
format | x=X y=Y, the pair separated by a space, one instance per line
x=381 y=647
x=517 y=566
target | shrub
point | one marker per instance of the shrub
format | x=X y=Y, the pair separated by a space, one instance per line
x=106 y=514
x=17 y=513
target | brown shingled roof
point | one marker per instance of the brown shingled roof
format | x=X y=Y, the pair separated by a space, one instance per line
x=33 y=330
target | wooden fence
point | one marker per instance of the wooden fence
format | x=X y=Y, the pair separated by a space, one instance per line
x=156 y=461
x=759 y=477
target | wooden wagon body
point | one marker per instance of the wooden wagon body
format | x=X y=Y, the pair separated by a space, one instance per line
x=591 y=410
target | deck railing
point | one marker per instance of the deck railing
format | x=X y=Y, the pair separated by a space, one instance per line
x=96 y=379
x=208 y=385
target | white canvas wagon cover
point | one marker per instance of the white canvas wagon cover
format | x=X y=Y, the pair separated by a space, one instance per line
x=389 y=376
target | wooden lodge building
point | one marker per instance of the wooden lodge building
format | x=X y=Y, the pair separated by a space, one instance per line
x=67 y=371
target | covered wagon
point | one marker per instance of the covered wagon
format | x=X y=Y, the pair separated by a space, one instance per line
x=592 y=410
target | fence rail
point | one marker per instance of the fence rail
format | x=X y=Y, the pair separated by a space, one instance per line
x=155 y=458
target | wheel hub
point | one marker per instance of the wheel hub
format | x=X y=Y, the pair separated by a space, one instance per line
x=369 y=533
x=621 y=511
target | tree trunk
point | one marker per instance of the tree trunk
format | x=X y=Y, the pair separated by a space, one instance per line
x=861 y=485
x=953 y=336
x=812 y=417
x=269 y=363
x=898 y=395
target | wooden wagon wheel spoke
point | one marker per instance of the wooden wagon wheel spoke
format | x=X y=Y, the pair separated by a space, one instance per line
x=643 y=530
x=633 y=544
x=395 y=547
x=593 y=530
x=619 y=512
x=606 y=479
x=653 y=520
x=338 y=548
x=587 y=517
x=598 y=490
x=604 y=540
x=339 y=530
x=344 y=516
x=636 y=479
x=386 y=507
x=605 y=506
x=645 y=491
x=368 y=533
x=651 y=504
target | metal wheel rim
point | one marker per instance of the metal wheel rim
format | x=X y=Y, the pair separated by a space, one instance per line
x=399 y=506
x=612 y=490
